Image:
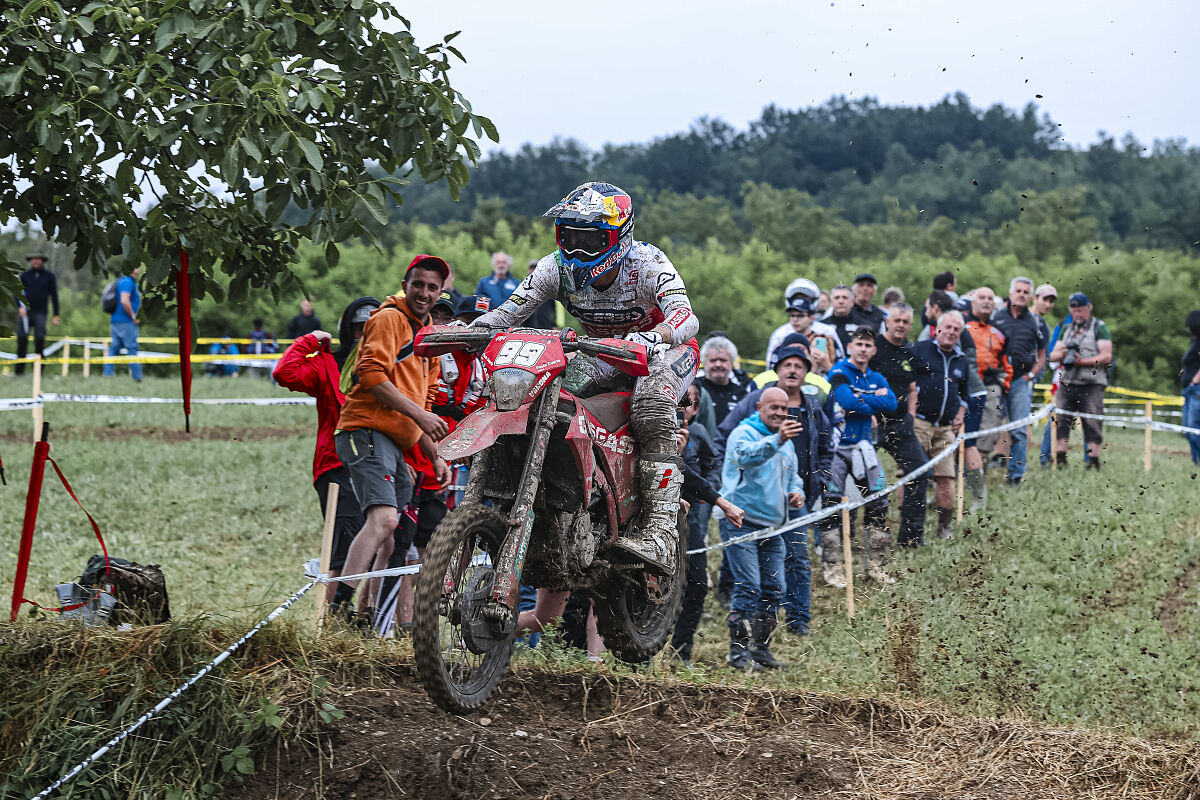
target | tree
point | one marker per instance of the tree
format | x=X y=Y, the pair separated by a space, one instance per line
x=135 y=131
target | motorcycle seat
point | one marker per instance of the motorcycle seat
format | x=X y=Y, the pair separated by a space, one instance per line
x=610 y=409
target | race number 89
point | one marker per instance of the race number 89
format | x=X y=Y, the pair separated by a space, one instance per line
x=520 y=354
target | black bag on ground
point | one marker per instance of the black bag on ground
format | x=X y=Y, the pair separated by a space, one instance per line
x=108 y=298
x=140 y=589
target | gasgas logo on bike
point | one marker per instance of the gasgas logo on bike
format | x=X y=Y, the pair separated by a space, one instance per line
x=609 y=441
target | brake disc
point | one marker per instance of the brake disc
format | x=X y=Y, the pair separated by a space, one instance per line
x=479 y=633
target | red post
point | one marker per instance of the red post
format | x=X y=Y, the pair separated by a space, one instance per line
x=41 y=450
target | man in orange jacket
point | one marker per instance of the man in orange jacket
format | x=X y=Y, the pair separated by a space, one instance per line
x=388 y=410
x=994 y=368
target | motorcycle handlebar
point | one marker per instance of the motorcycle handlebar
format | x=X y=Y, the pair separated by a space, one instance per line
x=477 y=338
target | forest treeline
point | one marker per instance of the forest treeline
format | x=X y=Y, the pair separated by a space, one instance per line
x=950 y=166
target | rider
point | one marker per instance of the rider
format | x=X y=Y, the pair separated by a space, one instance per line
x=617 y=287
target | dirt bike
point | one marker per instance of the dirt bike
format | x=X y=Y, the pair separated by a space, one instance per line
x=552 y=485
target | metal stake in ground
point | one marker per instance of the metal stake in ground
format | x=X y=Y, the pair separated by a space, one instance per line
x=959 y=478
x=1149 y=419
x=848 y=560
x=331 y=503
x=37 y=392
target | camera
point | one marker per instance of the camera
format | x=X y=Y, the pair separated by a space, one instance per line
x=1072 y=355
x=679 y=416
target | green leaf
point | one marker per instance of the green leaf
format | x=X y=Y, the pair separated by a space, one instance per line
x=86 y=25
x=312 y=153
x=332 y=256
x=251 y=149
x=488 y=127
x=375 y=207
x=245 y=766
x=12 y=81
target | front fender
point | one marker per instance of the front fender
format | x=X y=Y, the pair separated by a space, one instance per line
x=478 y=431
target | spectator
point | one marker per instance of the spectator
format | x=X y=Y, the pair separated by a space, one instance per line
x=718 y=356
x=864 y=313
x=546 y=316
x=261 y=340
x=801 y=311
x=227 y=369
x=894 y=361
x=442 y=312
x=460 y=388
x=947 y=283
x=1044 y=299
x=1190 y=379
x=699 y=458
x=1025 y=346
x=991 y=362
x=310 y=366
x=891 y=296
x=861 y=392
x=760 y=476
x=840 y=315
x=941 y=407
x=123 y=324
x=388 y=411
x=935 y=306
x=1085 y=349
x=814 y=452
x=41 y=290
x=500 y=284
x=448 y=287
x=824 y=301
x=304 y=322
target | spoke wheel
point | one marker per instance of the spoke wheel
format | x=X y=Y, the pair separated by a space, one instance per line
x=460 y=655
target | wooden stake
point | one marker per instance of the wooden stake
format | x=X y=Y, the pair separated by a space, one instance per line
x=331 y=503
x=37 y=392
x=960 y=479
x=66 y=355
x=1053 y=443
x=1149 y=417
x=87 y=357
x=848 y=561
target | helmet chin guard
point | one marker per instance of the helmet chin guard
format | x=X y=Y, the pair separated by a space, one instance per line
x=593 y=227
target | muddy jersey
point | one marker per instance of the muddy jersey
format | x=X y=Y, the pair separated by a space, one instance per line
x=647 y=292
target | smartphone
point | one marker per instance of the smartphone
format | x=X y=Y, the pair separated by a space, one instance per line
x=794 y=416
x=820 y=343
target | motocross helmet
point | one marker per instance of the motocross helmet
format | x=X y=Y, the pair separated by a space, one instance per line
x=801 y=287
x=593 y=227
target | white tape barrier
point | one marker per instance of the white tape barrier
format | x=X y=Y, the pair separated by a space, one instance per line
x=808 y=519
x=166 y=701
x=1125 y=422
x=17 y=403
x=312 y=570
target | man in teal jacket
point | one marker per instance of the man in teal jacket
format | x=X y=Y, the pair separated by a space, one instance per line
x=761 y=476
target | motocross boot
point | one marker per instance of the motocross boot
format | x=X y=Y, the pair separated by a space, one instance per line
x=654 y=539
x=740 y=631
x=761 y=629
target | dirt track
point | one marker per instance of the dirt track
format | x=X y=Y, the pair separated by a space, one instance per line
x=572 y=735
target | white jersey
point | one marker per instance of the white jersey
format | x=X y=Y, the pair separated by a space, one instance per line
x=816 y=328
x=646 y=293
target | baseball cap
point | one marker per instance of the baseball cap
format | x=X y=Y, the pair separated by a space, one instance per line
x=1079 y=299
x=473 y=304
x=446 y=302
x=363 y=313
x=800 y=303
x=865 y=277
x=429 y=262
x=1046 y=290
x=793 y=345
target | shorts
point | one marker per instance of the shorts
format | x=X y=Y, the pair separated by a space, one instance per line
x=934 y=439
x=1085 y=397
x=349 y=517
x=376 y=466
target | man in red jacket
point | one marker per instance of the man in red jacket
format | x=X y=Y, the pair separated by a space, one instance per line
x=311 y=367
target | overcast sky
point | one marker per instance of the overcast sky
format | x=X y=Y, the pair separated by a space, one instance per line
x=629 y=71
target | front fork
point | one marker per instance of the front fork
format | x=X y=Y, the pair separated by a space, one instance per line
x=511 y=561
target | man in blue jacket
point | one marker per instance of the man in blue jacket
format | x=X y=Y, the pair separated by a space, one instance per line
x=861 y=392
x=760 y=476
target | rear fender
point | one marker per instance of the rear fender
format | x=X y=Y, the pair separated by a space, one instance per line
x=478 y=431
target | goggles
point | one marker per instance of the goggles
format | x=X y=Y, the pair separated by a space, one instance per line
x=585 y=243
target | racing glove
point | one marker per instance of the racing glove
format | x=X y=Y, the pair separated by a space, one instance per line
x=652 y=340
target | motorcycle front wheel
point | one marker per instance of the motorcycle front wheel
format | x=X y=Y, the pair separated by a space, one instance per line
x=460 y=657
x=635 y=619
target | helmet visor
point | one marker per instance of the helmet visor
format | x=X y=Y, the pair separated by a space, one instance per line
x=584 y=243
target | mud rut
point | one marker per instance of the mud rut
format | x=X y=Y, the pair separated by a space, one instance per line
x=574 y=735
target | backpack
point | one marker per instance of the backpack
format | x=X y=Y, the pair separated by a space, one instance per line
x=108 y=298
x=140 y=590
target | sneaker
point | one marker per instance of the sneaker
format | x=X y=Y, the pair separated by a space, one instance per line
x=945 y=532
x=834 y=575
x=1094 y=464
x=1014 y=481
x=878 y=575
x=797 y=628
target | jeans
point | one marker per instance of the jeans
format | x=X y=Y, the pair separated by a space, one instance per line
x=758 y=567
x=1020 y=403
x=896 y=436
x=797 y=573
x=124 y=336
x=696 y=588
x=1191 y=418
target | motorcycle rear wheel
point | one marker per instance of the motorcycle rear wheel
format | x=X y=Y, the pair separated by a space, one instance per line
x=635 y=629
x=455 y=674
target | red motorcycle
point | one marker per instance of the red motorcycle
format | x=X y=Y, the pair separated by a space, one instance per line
x=551 y=487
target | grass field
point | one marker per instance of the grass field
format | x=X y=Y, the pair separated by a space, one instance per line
x=1073 y=600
